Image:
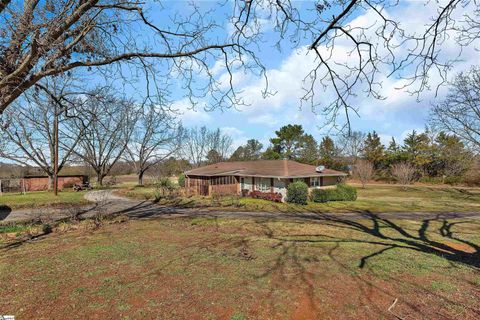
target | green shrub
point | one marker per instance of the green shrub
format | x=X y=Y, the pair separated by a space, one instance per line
x=181 y=180
x=342 y=192
x=163 y=188
x=334 y=195
x=348 y=193
x=319 y=195
x=297 y=192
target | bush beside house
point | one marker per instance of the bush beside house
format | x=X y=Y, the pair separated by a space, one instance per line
x=297 y=192
x=270 y=196
x=342 y=192
x=181 y=180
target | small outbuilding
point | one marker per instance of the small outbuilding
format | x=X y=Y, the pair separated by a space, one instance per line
x=41 y=183
x=241 y=177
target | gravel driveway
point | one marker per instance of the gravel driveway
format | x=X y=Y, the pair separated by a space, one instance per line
x=107 y=202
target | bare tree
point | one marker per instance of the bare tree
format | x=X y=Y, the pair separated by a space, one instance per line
x=38 y=128
x=372 y=49
x=351 y=55
x=404 y=172
x=44 y=38
x=200 y=142
x=106 y=136
x=351 y=145
x=39 y=39
x=221 y=143
x=363 y=170
x=196 y=145
x=460 y=112
x=156 y=137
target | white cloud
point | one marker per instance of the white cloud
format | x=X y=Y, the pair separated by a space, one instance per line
x=266 y=119
x=238 y=136
x=385 y=139
x=232 y=131
x=191 y=116
x=392 y=116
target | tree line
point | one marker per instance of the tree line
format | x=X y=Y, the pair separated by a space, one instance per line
x=107 y=132
x=98 y=128
x=430 y=155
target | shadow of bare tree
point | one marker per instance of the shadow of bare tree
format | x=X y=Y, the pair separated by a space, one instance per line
x=416 y=240
x=4 y=212
x=431 y=236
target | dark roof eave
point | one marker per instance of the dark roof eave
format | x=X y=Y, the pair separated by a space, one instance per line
x=293 y=177
x=340 y=174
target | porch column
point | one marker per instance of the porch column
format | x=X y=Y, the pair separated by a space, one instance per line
x=238 y=185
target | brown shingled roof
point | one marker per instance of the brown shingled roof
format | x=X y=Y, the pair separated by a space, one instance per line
x=263 y=168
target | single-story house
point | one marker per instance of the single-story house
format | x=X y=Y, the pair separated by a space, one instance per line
x=239 y=177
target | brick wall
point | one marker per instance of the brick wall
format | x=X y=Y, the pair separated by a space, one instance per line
x=42 y=183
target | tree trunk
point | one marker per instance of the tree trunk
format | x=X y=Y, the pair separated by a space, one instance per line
x=50 y=182
x=140 y=178
x=100 y=177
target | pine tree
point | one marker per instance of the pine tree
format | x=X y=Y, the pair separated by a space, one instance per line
x=329 y=154
x=309 y=151
x=288 y=142
x=374 y=150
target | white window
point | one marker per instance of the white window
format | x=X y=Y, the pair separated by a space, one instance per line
x=315 y=182
x=262 y=184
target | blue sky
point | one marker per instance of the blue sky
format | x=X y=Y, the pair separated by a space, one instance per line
x=395 y=116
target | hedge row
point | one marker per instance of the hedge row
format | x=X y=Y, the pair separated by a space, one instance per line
x=342 y=192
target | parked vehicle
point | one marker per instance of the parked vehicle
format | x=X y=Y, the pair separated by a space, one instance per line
x=82 y=187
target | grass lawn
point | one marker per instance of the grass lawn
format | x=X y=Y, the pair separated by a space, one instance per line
x=206 y=268
x=373 y=198
x=41 y=199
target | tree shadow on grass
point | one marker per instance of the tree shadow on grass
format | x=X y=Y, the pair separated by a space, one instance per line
x=417 y=240
x=4 y=212
x=432 y=236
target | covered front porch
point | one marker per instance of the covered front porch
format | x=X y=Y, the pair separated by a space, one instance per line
x=230 y=184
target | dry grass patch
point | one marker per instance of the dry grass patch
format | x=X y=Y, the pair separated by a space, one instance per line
x=246 y=269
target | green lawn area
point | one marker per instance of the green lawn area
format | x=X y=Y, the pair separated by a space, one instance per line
x=211 y=268
x=373 y=198
x=41 y=199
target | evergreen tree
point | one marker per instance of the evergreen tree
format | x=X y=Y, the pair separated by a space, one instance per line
x=374 y=150
x=418 y=152
x=452 y=158
x=271 y=154
x=213 y=156
x=327 y=152
x=252 y=150
x=238 y=154
x=309 y=152
x=394 y=153
x=288 y=142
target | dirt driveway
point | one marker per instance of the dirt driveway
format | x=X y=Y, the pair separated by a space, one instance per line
x=106 y=202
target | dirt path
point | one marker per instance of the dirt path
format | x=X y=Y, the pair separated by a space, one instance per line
x=106 y=202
